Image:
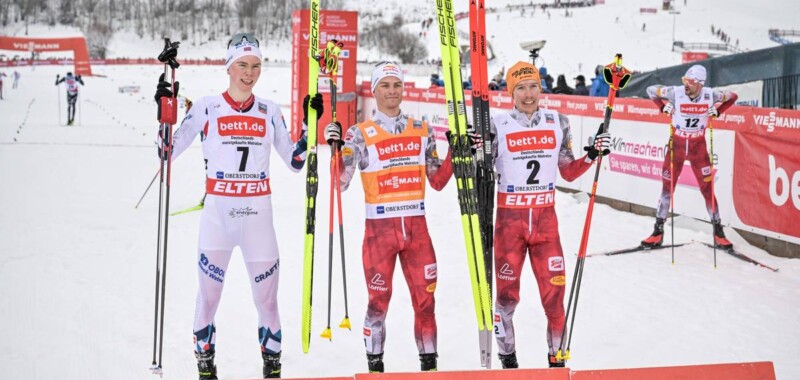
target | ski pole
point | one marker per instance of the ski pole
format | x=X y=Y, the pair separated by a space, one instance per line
x=672 y=180
x=167 y=56
x=332 y=64
x=713 y=204
x=329 y=63
x=327 y=332
x=58 y=95
x=617 y=77
x=148 y=188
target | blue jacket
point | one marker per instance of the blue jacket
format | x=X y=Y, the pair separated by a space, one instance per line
x=599 y=87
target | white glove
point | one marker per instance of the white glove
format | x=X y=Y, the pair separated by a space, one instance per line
x=333 y=132
x=668 y=109
x=712 y=111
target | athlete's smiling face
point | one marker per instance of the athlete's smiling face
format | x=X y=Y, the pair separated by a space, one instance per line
x=389 y=95
x=244 y=73
x=526 y=96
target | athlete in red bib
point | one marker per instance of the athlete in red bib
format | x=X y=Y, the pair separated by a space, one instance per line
x=397 y=156
x=531 y=145
x=691 y=107
x=238 y=131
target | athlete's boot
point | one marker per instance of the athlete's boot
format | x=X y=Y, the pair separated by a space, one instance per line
x=554 y=362
x=427 y=362
x=657 y=238
x=375 y=363
x=272 y=365
x=205 y=365
x=508 y=361
x=719 y=237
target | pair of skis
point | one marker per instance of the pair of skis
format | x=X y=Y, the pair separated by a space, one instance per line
x=464 y=168
x=642 y=248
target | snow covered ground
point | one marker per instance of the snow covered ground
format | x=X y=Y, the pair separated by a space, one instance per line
x=79 y=262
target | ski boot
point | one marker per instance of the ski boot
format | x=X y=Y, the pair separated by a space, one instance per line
x=427 y=362
x=719 y=237
x=508 y=361
x=272 y=365
x=375 y=363
x=657 y=238
x=554 y=362
x=205 y=365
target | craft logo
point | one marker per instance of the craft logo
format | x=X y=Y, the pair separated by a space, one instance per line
x=267 y=273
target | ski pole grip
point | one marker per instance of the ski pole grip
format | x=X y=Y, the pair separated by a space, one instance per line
x=169 y=111
x=169 y=53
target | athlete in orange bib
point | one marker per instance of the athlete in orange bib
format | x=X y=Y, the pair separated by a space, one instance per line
x=396 y=155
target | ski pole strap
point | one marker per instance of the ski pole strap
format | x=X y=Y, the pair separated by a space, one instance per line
x=329 y=60
x=616 y=75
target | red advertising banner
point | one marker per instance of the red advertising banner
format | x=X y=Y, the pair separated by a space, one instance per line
x=75 y=44
x=334 y=25
x=775 y=122
x=766 y=183
x=692 y=56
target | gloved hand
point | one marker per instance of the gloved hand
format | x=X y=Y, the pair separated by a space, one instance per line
x=474 y=138
x=316 y=104
x=333 y=133
x=668 y=109
x=164 y=90
x=601 y=144
x=712 y=111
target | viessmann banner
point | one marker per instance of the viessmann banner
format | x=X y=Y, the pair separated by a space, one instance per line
x=757 y=162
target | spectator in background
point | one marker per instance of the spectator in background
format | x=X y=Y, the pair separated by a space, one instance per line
x=542 y=74
x=17 y=75
x=2 y=75
x=562 y=87
x=580 y=86
x=599 y=86
x=435 y=81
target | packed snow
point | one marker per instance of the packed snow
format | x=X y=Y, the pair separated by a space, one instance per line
x=78 y=283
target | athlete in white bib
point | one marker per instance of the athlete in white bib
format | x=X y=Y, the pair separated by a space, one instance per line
x=238 y=132
x=531 y=145
x=691 y=107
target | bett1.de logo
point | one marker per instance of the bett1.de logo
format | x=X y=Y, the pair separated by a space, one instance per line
x=783 y=185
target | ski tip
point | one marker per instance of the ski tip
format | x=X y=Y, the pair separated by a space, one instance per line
x=346 y=324
x=327 y=334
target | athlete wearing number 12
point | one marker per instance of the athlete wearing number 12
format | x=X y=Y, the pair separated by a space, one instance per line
x=690 y=107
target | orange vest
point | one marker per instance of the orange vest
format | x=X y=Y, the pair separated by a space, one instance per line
x=394 y=180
